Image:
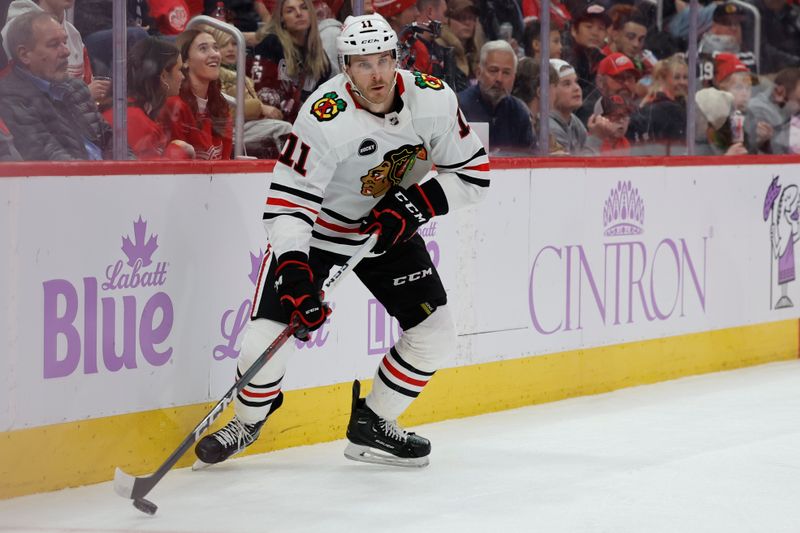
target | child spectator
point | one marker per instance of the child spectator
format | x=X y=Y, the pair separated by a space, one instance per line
x=533 y=44
x=567 y=129
x=617 y=111
x=291 y=59
x=199 y=115
x=154 y=74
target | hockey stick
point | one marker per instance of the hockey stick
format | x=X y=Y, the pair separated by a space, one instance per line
x=136 y=488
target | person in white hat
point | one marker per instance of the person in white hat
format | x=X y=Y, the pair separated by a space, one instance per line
x=713 y=134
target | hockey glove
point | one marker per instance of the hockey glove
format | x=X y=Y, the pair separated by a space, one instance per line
x=298 y=295
x=396 y=217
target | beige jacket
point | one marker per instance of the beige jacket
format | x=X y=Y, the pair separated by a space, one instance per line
x=252 y=104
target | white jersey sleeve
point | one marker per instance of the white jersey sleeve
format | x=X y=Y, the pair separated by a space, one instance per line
x=460 y=158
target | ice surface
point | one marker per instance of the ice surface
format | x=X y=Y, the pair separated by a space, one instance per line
x=713 y=453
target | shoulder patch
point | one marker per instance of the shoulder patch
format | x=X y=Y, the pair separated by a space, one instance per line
x=426 y=81
x=328 y=107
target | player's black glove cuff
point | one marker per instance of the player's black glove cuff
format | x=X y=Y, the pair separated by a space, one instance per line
x=396 y=217
x=298 y=293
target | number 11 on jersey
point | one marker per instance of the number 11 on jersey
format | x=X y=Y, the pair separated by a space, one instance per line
x=287 y=156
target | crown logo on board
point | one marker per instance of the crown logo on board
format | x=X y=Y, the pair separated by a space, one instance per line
x=623 y=212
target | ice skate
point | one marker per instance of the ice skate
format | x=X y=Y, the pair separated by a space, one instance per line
x=233 y=438
x=379 y=441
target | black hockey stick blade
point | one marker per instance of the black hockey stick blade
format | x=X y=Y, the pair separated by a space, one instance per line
x=137 y=487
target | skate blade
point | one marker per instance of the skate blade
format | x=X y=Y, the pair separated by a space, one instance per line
x=365 y=454
x=199 y=464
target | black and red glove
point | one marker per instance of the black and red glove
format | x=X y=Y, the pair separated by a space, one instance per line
x=298 y=294
x=396 y=217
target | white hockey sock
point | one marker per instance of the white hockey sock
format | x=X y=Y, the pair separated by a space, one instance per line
x=254 y=401
x=411 y=363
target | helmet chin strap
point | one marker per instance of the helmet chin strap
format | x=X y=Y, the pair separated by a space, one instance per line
x=360 y=94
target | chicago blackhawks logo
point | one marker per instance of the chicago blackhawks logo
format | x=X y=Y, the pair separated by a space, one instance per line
x=426 y=81
x=328 y=107
x=391 y=170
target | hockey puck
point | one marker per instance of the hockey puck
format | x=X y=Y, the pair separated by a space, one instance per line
x=145 y=506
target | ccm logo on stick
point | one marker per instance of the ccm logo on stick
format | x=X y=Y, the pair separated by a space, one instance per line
x=413 y=277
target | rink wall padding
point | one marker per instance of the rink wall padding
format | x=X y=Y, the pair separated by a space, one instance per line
x=126 y=289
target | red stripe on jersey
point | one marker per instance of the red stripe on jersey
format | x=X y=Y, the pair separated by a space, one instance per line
x=254 y=307
x=396 y=373
x=484 y=166
x=425 y=197
x=286 y=203
x=335 y=227
x=250 y=394
x=400 y=85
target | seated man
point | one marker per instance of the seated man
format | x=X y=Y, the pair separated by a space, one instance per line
x=616 y=74
x=52 y=116
x=510 y=127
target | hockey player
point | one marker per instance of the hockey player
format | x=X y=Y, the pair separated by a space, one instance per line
x=353 y=165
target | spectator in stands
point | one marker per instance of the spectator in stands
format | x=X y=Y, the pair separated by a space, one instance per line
x=51 y=115
x=199 y=115
x=497 y=17
x=732 y=76
x=79 y=65
x=780 y=34
x=291 y=58
x=626 y=35
x=776 y=107
x=567 y=129
x=589 y=34
x=93 y=18
x=725 y=35
x=491 y=101
x=154 y=74
x=329 y=30
x=526 y=88
x=713 y=133
x=617 y=111
x=8 y=151
x=428 y=12
x=663 y=110
x=616 y=74
x=264 y=132
x=462 y=21
x=401 y=14
x=532 y=40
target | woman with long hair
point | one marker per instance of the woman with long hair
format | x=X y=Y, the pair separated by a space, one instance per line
x=290 y=62
x=662 y=114
x=154 y=74
x=199 y=114
x=463 y=25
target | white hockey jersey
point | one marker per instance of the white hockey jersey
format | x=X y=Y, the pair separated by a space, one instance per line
x=340 y=159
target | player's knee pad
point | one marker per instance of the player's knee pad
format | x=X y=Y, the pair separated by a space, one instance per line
x=430 y=343
x=259 y=335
